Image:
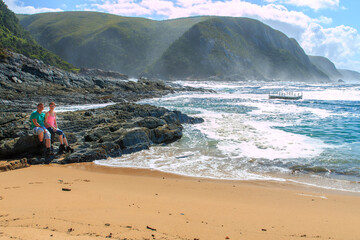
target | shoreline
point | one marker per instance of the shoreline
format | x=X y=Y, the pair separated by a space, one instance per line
x=103 y=203
x=276 y=178
x=287 y=183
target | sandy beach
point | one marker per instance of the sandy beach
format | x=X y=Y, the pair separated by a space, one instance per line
x=85 y=201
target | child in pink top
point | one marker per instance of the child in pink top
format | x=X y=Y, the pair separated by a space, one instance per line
x=51 y=125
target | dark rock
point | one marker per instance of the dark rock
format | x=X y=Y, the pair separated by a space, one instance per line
x=88 y=114
x=100 y=83
x=135 y=138
x=13 y=164
x=16 y=146
x=167 y=133
x=183 y=118
x=99 y=72
x=96 y=134
x=149 y=122
x=111 y=149
x=85 y=156
x=170 y=117
x=150 y=228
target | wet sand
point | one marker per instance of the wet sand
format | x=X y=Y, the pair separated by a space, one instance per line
x=85 y=201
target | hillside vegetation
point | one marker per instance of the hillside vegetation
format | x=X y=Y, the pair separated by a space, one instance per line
x=240 y=46
x=196 y=47
x=14 y=37
x=105 y=41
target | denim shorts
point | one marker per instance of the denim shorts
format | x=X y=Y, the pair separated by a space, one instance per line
x=38 y=130
x=58 y=132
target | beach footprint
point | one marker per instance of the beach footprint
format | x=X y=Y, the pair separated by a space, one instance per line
x=35 y=182
x=82 y=180
x=12 y=187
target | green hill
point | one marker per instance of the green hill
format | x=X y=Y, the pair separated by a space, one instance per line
x=109 y=42
x=180 y=48
x=245 y=47
x=17 y=39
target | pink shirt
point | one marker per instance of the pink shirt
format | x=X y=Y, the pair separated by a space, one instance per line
x=51 y=120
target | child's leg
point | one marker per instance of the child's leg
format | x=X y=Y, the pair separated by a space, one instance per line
x=47 y=136
x=61 y=136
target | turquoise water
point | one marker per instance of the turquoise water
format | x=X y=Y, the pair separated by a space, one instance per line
x=246 y=136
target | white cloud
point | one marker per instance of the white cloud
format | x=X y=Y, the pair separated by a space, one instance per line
x=185 y=8
x=314 y=4
x=19 y=7
x=123 y=7
x=160 y=7
x=323 y=19
x=81 y=6
x=190 y=3
x=339 y=44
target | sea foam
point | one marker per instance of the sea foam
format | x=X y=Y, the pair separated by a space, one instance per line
x=246 y=136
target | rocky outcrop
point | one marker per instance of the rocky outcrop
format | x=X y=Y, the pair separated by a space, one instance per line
x=96 y=134
x=13 y=164
x=102 y=73
x=25 y=81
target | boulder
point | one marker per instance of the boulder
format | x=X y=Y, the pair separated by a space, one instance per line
x=167 y=133
x=183 y=118
x=85 y=155
x=149 y=122
x=19 y=146
x=96 y=133
x=112 y=149
x=131 y=139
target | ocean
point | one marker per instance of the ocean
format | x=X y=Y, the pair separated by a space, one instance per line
x=246 y=136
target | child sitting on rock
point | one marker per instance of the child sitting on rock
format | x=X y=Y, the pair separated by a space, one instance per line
x=51 y=125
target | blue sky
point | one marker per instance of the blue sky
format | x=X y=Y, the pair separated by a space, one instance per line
x=327 y=28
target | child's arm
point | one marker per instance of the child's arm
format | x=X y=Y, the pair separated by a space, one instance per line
x=55 y=122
